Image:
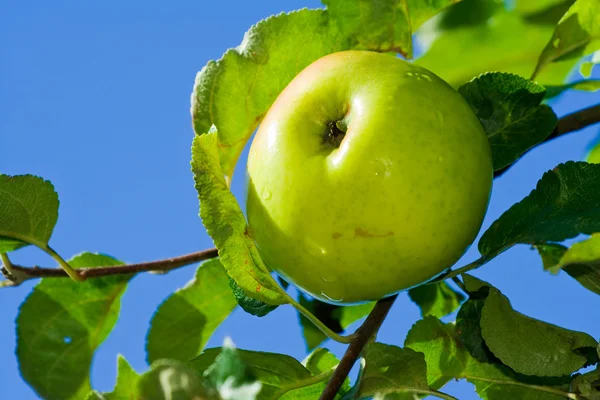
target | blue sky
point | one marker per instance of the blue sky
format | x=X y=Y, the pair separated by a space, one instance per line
x=94 y=96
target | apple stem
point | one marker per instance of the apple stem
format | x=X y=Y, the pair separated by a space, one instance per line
x=336 y=132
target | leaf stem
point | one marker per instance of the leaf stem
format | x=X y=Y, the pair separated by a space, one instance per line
x=65 y=265
x=318 y=323
x=6 y=263
x=459 y=283
x=362 y=335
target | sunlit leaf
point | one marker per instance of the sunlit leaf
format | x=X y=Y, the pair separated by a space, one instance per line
x=61 y=324
x=185 y=321
x=225 y=223
x=577 y=34
x=28 y=211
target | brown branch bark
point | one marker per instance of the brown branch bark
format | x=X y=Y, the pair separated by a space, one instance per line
x=567 y=124
x=363 y=335
x=19 y=274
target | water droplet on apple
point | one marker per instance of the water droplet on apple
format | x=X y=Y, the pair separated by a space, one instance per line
x=439 y=117
x=314 y=249
x=265 y=194
x=409 y=74
x=426 y=77
x=331 y=299
x=382 y=168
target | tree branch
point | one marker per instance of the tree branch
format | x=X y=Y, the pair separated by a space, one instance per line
x=19 y=274
x=567 y=124
x=362 y=336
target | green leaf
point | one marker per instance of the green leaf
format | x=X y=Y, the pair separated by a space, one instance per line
x=468 y=330
x=529 y=7
x=594 y=154
x=447 y=359
x=174 y=380
x=470 y=50
x=437 y=299
x=126 y=386
x=185 y=321
x=530 y=346
x=438 y=342
x=280 y=375
x=248 y=304
x=384 y=25
x=391 y=369
x=29 y=210
x=320 y=361
x=551 y=254
x=225 y=223
x=588 y=384
x=235 y=92
x=582 y=262
x=586 y=85
x=231 y=376
x=577 y=34
x=60 y=325
x=565 y=203
x=510 y=110
x=337 y=318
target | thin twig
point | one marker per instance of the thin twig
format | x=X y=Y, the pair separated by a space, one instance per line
x=362 y=336
x=567 y=124
x=26 y=273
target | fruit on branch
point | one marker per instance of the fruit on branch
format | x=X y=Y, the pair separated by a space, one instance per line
x=367 y=176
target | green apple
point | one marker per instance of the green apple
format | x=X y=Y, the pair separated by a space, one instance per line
x=368 y=175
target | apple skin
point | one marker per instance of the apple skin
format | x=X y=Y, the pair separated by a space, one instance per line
x=397 y=203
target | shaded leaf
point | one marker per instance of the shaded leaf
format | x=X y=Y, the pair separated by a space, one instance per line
x=28 y=211
x=587 y=385
x=174 y=380
x=337 y=318
x=248 y=304
x=577 y=34
x=447 y=359
x=184 y=322
x=225 y=223
x=60 y=325
x=235 y=92
x=231 y=376
x=551 y=254
x=437 y=299
x=280 y=375
x=391 y=369
x=530 y=346
x=565 y=203
x=510 y=110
